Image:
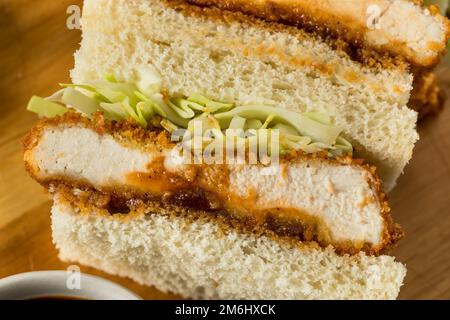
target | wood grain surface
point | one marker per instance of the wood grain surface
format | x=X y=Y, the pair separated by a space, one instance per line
x=36 y=53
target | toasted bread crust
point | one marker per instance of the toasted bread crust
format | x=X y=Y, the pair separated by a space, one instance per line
x=343 y=20
x=199 y=201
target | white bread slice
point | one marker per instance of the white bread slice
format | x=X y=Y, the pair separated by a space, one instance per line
x=340 y=201
x=401 y=27
x=232 y=57
x=195 y=259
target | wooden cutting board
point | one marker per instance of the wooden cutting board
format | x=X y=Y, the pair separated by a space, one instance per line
x=36 y=53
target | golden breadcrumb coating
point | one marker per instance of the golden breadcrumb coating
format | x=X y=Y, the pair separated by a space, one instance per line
x=308 y=16
x=204 y=191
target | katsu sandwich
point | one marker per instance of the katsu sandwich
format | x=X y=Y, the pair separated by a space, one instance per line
x=219 y=150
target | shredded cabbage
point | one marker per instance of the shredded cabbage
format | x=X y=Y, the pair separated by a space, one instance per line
x=237 y=123
x=45 y=108
x=182 y=109
x=77 y=100
x=113 y=111
x=147 y=104
x=210 y=105
x=304 y=125
x=149 y=81
x=254 y=124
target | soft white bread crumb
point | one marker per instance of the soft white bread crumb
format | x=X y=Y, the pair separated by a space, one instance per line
x=196 y=260
x=247 y=62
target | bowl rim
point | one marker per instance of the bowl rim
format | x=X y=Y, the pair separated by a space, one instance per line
x=36 y=284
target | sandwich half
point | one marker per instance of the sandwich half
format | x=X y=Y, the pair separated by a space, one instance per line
x=214 y=154
x=201 y=259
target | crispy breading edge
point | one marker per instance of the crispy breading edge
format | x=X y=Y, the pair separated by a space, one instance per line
x=355 y=50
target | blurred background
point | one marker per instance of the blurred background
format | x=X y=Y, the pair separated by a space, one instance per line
x=36 y=53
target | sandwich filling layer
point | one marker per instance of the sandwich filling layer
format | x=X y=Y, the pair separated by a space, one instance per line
x=336 y=202
x=378 y=24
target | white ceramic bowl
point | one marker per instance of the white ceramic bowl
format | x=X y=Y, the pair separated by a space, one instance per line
x=54 y=284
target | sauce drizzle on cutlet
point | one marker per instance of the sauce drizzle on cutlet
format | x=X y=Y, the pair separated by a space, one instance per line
x=207 y=188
